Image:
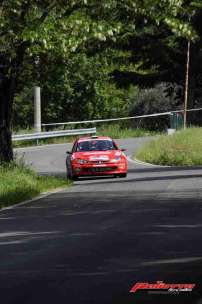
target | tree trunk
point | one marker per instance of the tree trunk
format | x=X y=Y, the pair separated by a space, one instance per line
x=192 y=83
x=192 y=88
x=7 y=93
x=7 y=88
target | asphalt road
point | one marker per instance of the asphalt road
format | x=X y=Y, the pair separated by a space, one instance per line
x=91 y=243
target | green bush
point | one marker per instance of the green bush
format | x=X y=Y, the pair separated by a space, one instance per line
x=161 y=98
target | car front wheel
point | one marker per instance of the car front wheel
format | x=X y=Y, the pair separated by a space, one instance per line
x=123 y=175
x=120 y=175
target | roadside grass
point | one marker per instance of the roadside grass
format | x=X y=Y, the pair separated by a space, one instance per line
x=18 y=183
x=113 y=130
x=117 y=132
x=183 y=148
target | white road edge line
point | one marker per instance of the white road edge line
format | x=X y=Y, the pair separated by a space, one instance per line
x=139 y=162
x=37 y=198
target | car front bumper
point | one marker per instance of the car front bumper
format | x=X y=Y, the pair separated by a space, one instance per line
x=107 y=169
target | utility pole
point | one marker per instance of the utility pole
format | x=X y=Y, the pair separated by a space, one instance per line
x=37 y=109
x=186 y=84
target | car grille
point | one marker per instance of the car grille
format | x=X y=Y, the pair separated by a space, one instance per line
x=100 y=169
x=99 y=162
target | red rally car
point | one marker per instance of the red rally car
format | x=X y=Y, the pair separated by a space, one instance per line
x=96 y=155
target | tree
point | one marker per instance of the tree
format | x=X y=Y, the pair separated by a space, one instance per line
x=80 y=84
x=158 y=53
x=30 y=28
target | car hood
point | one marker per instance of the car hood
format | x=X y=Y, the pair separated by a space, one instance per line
x=98 y=155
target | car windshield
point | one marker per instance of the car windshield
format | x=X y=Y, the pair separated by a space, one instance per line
x=95 y=145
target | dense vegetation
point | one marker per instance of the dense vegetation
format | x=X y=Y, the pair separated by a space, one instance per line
x=95 y=59
x=181 y=149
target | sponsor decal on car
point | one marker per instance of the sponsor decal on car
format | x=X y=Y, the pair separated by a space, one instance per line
x=99 y=158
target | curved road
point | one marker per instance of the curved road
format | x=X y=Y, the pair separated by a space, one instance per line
x=91 y=243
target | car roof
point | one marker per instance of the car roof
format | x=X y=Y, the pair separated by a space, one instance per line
x=87 y=138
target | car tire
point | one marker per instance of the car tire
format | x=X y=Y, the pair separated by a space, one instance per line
x=68 y=174
x=122 y=175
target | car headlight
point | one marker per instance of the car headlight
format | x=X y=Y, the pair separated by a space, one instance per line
x=81 y=161
x=116 y=159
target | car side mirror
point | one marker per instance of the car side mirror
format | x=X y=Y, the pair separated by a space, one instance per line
x=68 y=152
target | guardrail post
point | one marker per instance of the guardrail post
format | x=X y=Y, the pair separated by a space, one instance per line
x=37 y=109
x=172 y=128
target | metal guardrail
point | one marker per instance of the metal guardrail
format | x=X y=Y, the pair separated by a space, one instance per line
x=50 y=134
x=103 y=120
x=118 y=119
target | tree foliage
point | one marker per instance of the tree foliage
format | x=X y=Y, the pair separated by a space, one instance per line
x=61 y=29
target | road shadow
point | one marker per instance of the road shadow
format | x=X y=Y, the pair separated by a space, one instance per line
x=149 y=170
x=141 y=179
x=93 y=247
x=164 y=169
